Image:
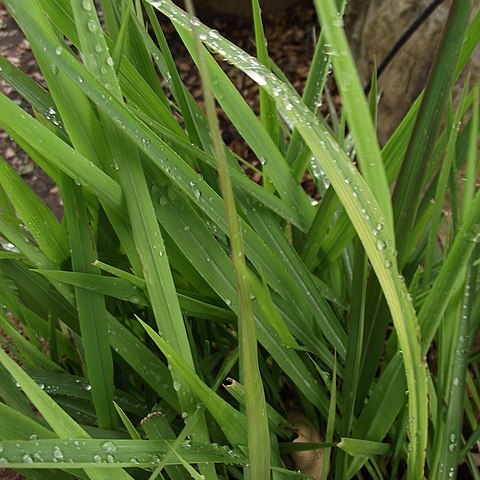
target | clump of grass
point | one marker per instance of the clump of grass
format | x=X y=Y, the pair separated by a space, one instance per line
x=173 y=271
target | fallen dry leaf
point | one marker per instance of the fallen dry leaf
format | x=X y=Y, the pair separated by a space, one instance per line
x=309 y=462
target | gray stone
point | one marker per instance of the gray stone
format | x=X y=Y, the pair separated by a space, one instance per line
x=373 y=28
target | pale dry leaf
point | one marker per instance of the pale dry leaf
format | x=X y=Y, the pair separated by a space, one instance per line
x=309 y=462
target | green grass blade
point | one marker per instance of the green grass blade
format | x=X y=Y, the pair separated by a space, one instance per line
x=256 y=408
x=363 y=448
x=251 y=129
x=11 y=231
x=263 y=297
x=156 y=427
x=183 y=175
x=63 y=425
x=22 y=126
x=127 y=423
x=391 y=384
x=276 y=421
x=344 y=179
x=145 y=227
x=359 y=119
x=13 y=398
x=318 y=231
x=29 y=355
x=103 y=458
x=472 y=159
x=175 y=83
x=453 y=267
x=38 y=219
x=19 y=425
x=268 y=108
x=207 y=256
x=131 y=289
x=143 y=361
x=377 y=255
x=205 y=195
x=456 y=396
x=412 y=176
x=330 y=424
x=232 y=422
x=354 y=348
x=39 y=98
x=239 y=178
x=92 y=312
x=441 y=189
x=122 y=35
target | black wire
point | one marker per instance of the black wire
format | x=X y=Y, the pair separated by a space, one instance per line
x=403 y=39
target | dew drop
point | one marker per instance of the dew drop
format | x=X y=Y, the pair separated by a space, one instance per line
x=97 y=459
x=109 y=447
x=57 y=454
x=177 y=386
x=256 y=77
x=92 y=26
x=381 y=244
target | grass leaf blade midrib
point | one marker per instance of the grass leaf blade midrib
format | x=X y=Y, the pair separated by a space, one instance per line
x=256 y=409
x=355 y=105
